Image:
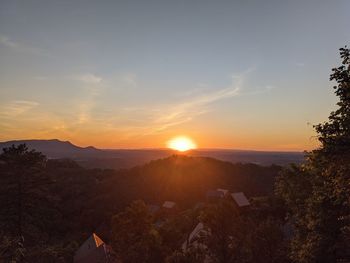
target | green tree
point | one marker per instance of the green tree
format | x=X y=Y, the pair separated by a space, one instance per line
x=226 y=233
x=28 y=215
x=11 y=249
x=134 y=237
x=317 y=193
x=191 y=255
x=21 y=169
x=266 y=242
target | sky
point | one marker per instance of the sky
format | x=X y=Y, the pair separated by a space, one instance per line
x=134 y=74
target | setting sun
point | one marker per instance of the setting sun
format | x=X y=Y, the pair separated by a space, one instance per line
x=181 y=144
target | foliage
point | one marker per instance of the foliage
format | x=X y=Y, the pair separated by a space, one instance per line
x=11 y=249
x=24 y=197
x=30 y=217
x=317 y=193
x=134 y=237
x=191 y=255
x=63 y=203
x=267 y=242
x=226 y=233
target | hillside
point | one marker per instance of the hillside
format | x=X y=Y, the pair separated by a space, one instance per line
x=184 y=180
x=75 y=201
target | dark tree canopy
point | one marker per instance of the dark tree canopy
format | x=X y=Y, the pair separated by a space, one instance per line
x=334 y=134
x=317 y=193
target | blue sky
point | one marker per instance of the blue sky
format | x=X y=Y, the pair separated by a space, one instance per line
x=129 y=74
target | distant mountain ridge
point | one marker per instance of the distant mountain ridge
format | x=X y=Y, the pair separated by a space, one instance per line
x=92 y=157
x=55 y=148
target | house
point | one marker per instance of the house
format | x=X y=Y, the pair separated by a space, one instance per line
x=215 y=195
x=94 y=250
x=169 y=208
x=194 y=236
x=224 y=191
x=240 y=200
x=193 y=240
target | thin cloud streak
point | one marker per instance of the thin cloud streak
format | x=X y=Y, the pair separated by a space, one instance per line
x=19 y=47
x=128 y=122
x=16 y=108
x=166 y=116
x=88 y=78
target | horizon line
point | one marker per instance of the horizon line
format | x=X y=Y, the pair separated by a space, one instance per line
x=163 y=148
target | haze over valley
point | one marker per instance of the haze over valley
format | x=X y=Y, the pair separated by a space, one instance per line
x=91 y=157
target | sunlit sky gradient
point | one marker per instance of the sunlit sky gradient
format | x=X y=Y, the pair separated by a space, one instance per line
x=133 y=74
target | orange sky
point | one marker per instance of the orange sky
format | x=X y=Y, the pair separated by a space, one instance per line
x=115 y=74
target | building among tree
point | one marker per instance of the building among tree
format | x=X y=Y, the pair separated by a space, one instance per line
x=169 y=208
x=94 y=250
x=240 y=200
x=215 y=195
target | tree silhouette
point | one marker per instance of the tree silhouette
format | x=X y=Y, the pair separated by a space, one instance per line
x=134 y=237
x=28 y=215
x=318 y=192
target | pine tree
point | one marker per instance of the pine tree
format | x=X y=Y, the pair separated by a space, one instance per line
x=28 y=214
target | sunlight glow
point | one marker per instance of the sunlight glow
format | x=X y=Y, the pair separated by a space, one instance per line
x=181 y=144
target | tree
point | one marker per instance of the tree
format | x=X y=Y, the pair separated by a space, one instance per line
x=20 y=179
x=134 y=237
x=266 y=242
x=28 y=215
x=226 y=233
x=11 y=249
x=317 y=193
x=191 y=255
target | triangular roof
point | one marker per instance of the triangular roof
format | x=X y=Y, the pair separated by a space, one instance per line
x=90 y=248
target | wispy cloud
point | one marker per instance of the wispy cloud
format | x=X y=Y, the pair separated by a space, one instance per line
x=185 y=111
x=4 y=40
x=20 y=47
x=88 y=78
x=135 y=121
x=152 y=120
x=158 y=118
x=91 y=83
x=17 y=107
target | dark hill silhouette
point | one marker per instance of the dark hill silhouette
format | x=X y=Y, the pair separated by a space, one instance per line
x=91 y=157
x=56 y=149
x=186 y=180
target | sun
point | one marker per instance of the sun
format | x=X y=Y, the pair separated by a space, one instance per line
x=181 y=144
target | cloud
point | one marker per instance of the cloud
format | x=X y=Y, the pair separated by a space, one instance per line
x=19 y=47
x=88 y=78
x=129 y=79
x=152 y=120
x=185 y=111
x=91 y=84
x=129 y=121
x=4 y=40
x=17 y=107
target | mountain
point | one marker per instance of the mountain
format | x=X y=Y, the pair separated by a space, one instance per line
x=91 y=157
x=56 y=148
